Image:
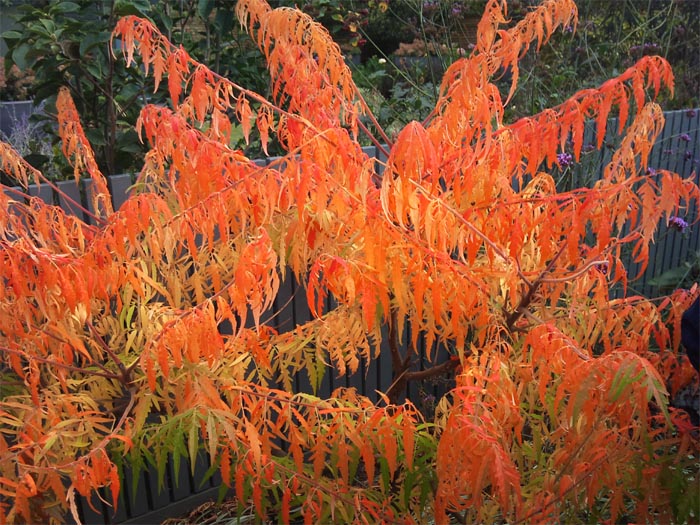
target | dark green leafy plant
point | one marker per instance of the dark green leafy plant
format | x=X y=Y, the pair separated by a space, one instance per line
x=66 y=43
x=611 y=36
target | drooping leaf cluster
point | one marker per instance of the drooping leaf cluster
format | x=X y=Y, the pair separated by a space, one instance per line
x=148 y=332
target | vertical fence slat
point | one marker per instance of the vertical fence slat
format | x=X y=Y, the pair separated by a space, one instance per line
x=180 y=484
x=159 y=493
x=302 y=315
x=44 y=192
x=135 y=496
x=70 y=191
x=201 y=465
x=119 y=185
x=93 y=516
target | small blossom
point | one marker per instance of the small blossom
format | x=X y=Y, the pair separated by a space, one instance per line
x=428 y=399
x=690 y=113
x=651 y=171
x=688 y=155
x=602 y=268
x=564 y=159
x=685 y=137
x=677 y=223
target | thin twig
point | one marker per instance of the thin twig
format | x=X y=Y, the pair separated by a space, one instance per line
x=101 y=342
x=526 y=299
x=81 y=370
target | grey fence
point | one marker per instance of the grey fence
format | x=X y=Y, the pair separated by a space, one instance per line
x=677 y=149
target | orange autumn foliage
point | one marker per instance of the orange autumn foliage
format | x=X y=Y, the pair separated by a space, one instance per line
x=561 y=402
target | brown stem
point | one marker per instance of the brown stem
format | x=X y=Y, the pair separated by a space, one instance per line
x=526 y=299
x=107 y=375
x=40 y=176
x=396 y=360
x=125 y=373
x=436 y=370
x=374 y=140
x=401 y=365
x=407 y=376
x=374 y=121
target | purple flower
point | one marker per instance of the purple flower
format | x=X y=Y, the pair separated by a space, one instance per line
x=688 y=155
x=690 y=113
x=677 y=223
x=651 y=171
x=685 y=137
x=428 y=399
x=564 y=159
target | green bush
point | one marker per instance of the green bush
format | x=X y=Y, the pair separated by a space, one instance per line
x=66 y=43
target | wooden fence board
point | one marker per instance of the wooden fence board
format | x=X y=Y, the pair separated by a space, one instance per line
x=69 y=197
x=119 y=185
x=44 y=192
x=134 y=497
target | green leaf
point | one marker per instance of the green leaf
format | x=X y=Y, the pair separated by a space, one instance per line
x=129 y=146
x=624 y=377
x=95 y=137
x=193 y=442
x=132 y=7
x=93 y=39
x=48 y=25
x=11 y=35
x=224 y=20
x=94 y=69
x=673 y=276
x=166 y=21
x=213 y=469
x=64 y=7
x=19 y=56
x=204 y=8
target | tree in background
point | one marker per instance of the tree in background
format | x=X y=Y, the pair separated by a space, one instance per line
x=612 y=36
x=112 y=339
